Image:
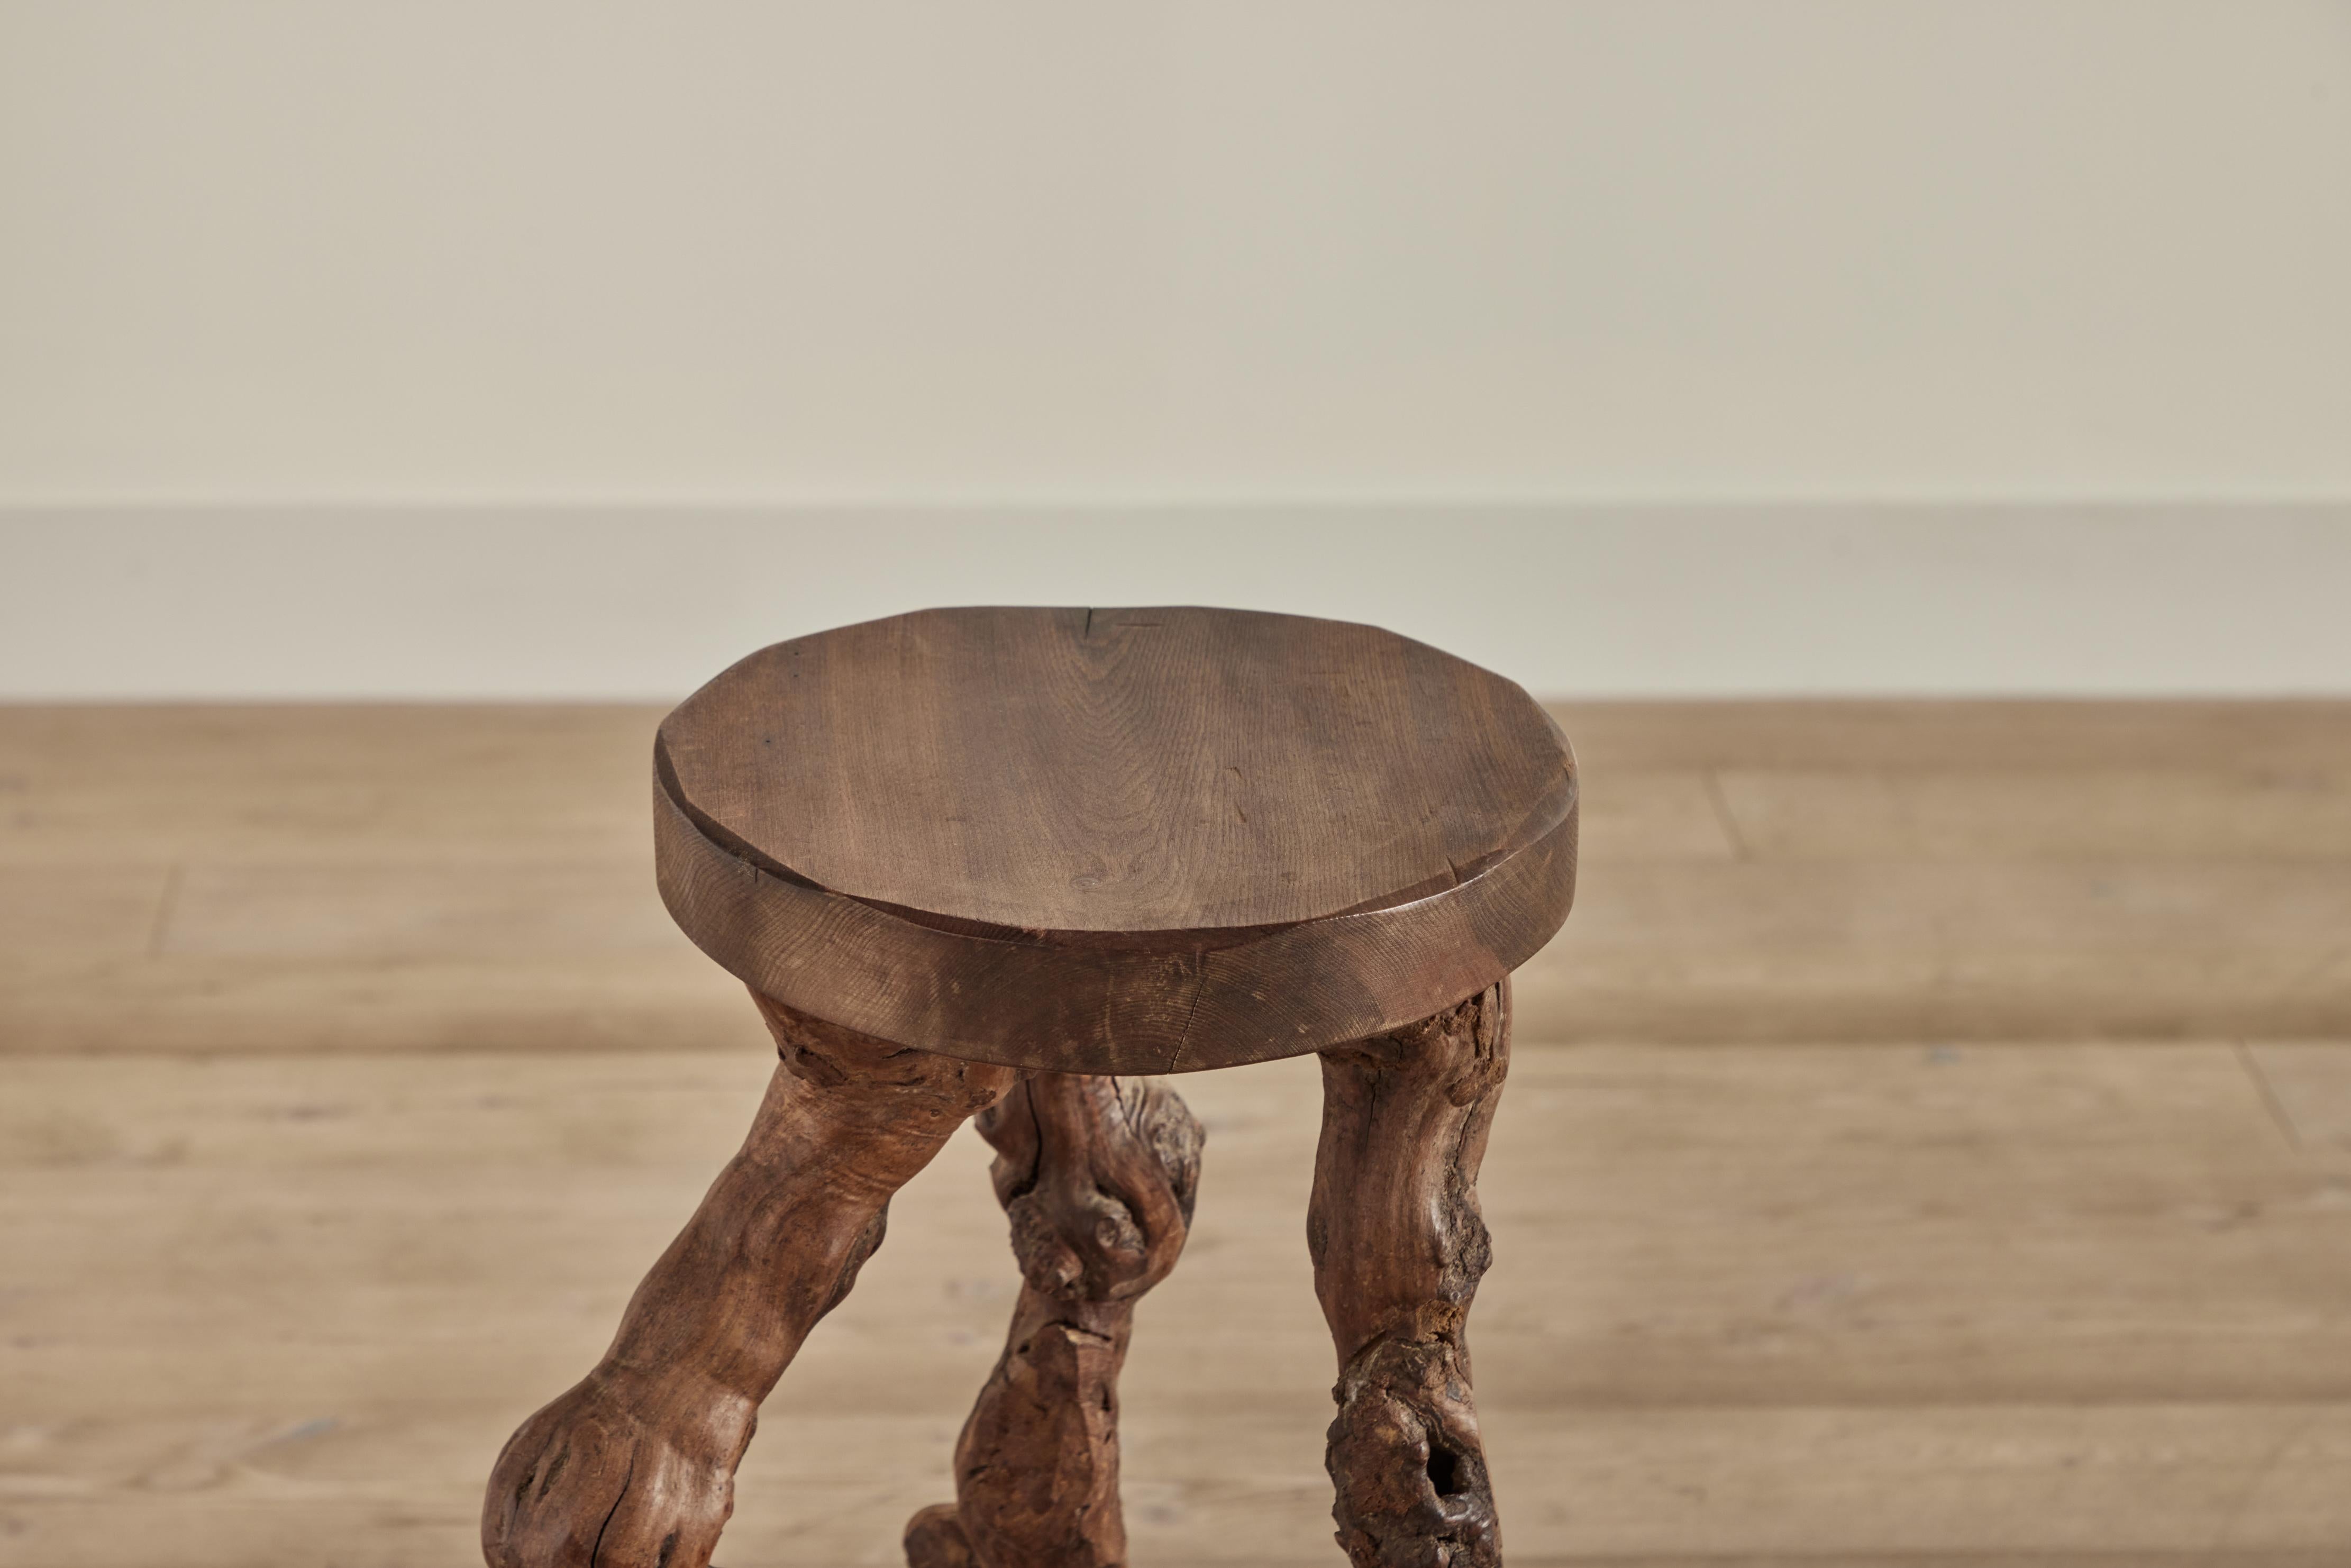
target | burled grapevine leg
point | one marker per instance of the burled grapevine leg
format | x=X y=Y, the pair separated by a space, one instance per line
x=634 y=1466
x=1097 y=1177
x=1398 y=1247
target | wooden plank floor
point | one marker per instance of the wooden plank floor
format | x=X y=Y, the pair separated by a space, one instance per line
x=1930 y=1147
x=412 y=878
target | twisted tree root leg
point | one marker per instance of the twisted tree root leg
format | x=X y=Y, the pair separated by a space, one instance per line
x=1398 y=1247
x=634 y=1466
x=1097 y=1175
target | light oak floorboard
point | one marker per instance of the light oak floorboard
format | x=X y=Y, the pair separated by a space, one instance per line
x=464 y=878
x=82 y=783
x=63 y=912
x=1874 y=1304
x=2192 y=811
x=1636 y=815
x=1960 y=734
x=2307 y=1084
x=2249 y=1485
x=329 y=956
x=211 y=1004
x=1765 y=950
x=350 y=1074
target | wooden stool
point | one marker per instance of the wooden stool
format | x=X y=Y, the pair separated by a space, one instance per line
x=991 y=862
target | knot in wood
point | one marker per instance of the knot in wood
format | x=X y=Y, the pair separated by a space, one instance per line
x=1097 y=1179
x=1405 y=1451
x=1462 y=1050
x=911 y=1084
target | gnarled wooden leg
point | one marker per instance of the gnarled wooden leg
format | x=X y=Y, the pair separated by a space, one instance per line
x=1398 y=1249
x=1097 y=1175
x=634 y=1466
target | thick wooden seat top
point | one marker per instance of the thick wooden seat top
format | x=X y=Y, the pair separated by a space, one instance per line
x=1114 y=841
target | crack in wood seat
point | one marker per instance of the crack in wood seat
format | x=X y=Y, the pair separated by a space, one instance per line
x=1114 y=841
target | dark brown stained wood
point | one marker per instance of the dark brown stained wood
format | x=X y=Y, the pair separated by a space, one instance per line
x=1097 y=1177
x=1081 y=843
x=1399 y=1246
x=1120 y=772
x=1114 y=841
x=635 y=1466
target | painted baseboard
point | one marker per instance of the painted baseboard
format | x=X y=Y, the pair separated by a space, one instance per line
x=644 y=603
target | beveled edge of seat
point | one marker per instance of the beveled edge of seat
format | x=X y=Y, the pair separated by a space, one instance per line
x=1032 y=1002
x=1556 y=803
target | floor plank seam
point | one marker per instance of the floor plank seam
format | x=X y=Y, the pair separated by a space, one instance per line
x=166 y=904
x=1722 y=815
x=2269 y=1101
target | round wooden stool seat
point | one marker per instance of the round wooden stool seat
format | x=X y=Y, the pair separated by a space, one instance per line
x=1114 y=841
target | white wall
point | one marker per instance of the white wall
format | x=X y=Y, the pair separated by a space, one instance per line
x=498 y=348
x=759 y=251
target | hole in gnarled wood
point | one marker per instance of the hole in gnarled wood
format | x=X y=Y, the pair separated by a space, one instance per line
x=1443 y=1467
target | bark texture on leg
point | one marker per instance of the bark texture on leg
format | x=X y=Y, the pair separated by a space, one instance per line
x=634 y=1466
x=1097 y=1175
x=1398 y=1246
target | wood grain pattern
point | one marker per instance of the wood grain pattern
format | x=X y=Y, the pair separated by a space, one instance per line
x=480 y=878
x=635 y=1466
x=497 y=782
x=2217 y=811
x=1122 y=772
x=1399 y=1246
x=1107 y=1008
x=2306 y=1085
x=1098 y=1178
x=1092 y=841
x=1979 y=950
x=2015 y=1304
x=1963 y=735
x=110 y=911
x=273 y=1283
x=1114 y=841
